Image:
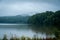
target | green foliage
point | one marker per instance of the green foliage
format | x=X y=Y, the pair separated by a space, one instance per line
x=28 y=38
x=33 y=38
x=5 y=37
x=57 y=35
x=23 y=38
x=46 y=18
x=14 y=38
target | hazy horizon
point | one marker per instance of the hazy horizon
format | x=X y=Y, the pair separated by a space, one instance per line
x=27 y=7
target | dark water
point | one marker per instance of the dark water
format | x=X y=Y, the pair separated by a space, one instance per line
x=24 y=30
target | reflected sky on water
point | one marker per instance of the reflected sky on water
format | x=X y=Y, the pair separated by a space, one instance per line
x=25 y=30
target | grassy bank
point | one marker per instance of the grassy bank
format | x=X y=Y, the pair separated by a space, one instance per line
x=27 y=38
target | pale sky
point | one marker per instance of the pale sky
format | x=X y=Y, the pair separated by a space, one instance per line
x=27 y=7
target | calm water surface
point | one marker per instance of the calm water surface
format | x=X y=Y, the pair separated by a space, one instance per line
x=19 y=30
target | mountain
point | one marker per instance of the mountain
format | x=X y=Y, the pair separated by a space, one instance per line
x=14 y=19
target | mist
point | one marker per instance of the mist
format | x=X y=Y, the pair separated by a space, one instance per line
x=27 y=7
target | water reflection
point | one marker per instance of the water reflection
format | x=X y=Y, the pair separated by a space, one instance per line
x=43 y=29
x=31 y=31
x=47 y=31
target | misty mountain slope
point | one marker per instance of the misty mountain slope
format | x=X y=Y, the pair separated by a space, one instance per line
x=14 y=19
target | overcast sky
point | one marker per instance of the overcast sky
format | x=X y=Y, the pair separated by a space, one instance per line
x=27 y=7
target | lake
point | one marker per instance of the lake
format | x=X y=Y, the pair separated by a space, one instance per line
x=21 y=30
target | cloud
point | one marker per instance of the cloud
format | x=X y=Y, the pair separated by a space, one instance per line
x=18 y=7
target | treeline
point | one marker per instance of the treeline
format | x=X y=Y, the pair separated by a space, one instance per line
x=14 y=19
x=46 y=18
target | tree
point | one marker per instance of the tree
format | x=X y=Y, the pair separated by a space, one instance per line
x=46 y=18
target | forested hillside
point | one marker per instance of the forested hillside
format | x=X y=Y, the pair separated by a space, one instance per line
x=46 y=18
x=14 y=19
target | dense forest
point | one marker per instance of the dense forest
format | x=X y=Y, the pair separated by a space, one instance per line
x=14 y=19
x=46 y=18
